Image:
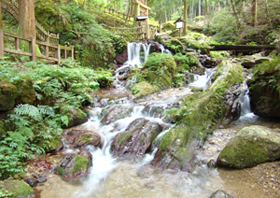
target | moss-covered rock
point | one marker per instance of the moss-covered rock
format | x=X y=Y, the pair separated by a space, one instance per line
x=96 y=59
x=75 y=116
x=200 y=114
x=249 y=147
x=142 y=89
x=137 y=138
x=169 y=26
x=73 y=166
x=25 y=90
x=197 y=41
x=192 y=59
x=15 y=189
x=81 y=138
x=8 y=94
x=175 y=46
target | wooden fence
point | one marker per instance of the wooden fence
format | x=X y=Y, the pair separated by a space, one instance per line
x=51 y=52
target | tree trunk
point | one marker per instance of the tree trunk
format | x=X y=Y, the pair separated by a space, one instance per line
x=1 y=24
x=266 y=13
x=129 y=8
x=199 y=8
x=235 y=12
x=27 y=18
x=165 y=13
x=254 y=12
x=185 y=17
x=206 y=13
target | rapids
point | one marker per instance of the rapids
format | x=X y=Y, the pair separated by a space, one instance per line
x=134 y=177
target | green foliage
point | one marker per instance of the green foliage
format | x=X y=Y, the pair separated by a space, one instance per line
x=267 y=77
x=32 y=128
x=175 y=46
x=94 y=45
x=30 y=125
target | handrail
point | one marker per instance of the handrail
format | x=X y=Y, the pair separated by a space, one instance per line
x=56 y=48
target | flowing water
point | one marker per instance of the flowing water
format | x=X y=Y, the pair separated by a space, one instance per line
x=134 y=177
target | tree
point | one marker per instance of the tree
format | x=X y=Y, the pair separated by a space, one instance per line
x=27 y=18
x=1 y=24
x=1 y=33
x=185 y=17
x=254 y=12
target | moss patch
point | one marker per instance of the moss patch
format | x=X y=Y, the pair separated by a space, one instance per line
x=8 y=94
x=142 y=89
x=81 y=163
x=15 y=189
x=175 y=46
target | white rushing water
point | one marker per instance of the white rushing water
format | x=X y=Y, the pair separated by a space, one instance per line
x=203 y=81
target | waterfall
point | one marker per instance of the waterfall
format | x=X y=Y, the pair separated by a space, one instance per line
x=203 y=81
x=244 y=100
x=134 y=53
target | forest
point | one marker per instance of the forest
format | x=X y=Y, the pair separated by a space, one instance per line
x=92 y=90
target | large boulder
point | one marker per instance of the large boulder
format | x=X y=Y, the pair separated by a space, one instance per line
x=137 y=138
x=73 y=166
x=8 y=94
x=15 y=189
x=249 y=147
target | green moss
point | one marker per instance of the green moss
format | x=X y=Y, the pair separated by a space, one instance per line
x=81 y=163
x=245 y=154
x=15 y=189
x=169 y=26
x=8 y=94
x=61 y=171
x=201 y=46
x=142 y=89
x=201 y=111
x=25 y=90
x=95 y=58
x=175 y=46
x=125 y=137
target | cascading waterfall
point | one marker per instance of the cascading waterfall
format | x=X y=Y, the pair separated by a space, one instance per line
x=134 y=53
x=203 y=81
x=137 y=55
x=244 y=100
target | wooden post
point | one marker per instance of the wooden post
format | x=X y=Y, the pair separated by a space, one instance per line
x=72 y=52
x=32 y=49
x=17 y=43
x=147 y=29
x=65 y=53
x=1 y=42
x=58 y=54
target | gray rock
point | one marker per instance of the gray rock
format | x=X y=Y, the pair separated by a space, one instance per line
x=137 y=138
x=220 y=194
x=249 y=147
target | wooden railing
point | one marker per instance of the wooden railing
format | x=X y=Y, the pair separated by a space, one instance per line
x=12 y=7
x=51 y=52
x=136 y=31
x=119 y=15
